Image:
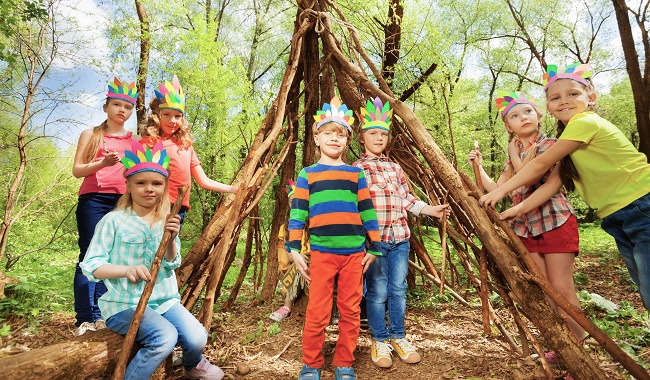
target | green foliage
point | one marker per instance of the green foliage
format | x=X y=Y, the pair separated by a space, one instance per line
x=12 y=14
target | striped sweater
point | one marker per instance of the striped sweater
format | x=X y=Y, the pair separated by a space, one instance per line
x=337 y=202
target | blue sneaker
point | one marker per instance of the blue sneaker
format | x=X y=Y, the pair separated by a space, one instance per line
x=344 y=373
x=309 y=373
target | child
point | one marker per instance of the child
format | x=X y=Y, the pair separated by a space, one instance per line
x=291 y=278
x=167 y=122
x=122 y=251
x=334 y=197
x=103 y=183
x=386 y=278
x=544 y=220
x=597 y=160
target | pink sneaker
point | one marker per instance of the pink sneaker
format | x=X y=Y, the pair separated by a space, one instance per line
x=280 y=314
x=551 y=358
x=205 y=371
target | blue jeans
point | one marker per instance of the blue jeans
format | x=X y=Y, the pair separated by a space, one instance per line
x=159 y=334
x=386 y=283
x=91 y=208
x=630 y=227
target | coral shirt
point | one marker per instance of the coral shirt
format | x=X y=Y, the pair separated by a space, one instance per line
x=181 y=162
x=108 y=180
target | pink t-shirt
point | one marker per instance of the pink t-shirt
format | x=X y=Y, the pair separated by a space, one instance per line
x=109 y=180
x=181 y=162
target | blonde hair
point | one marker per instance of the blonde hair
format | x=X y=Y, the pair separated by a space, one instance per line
x=162 y=208
x=182 y=137
x=329 y=127
x=96 y=139
x=532 y=150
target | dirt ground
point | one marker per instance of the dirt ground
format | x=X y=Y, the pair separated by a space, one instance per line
x=449 y=337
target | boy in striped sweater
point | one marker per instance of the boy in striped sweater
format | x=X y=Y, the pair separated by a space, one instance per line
x=335 y=198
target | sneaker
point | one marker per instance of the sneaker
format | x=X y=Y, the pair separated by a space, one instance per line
x=344 y=373
x=280 y=314
x=551 y=358
x=100 y=324
x=380 y=354
x=205 y=371
x=86 y=326
x=405 y=350
x=309 y=373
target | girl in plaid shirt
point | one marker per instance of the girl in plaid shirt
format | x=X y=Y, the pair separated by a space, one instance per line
x=121 y=252
x=543 y=216
x=386 y=278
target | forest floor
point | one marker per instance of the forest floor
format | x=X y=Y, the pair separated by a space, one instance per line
x=449 y=337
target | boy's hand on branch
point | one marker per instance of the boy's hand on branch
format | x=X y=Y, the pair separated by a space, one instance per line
x=173 y=224
x=137 y=272
x=475 y=155
x=301 y=264
x=367 y=261
x=440 y=211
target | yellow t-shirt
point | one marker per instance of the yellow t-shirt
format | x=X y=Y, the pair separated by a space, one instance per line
x=613 y=173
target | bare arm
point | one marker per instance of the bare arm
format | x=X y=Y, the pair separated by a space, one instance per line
x=537 y=198
x=208 y=184
x=533 y=171
x=488 y=183
x=81 y=169
x=133 y=273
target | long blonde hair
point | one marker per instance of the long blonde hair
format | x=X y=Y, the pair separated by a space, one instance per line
x=532 y=150
x=161 y=210
x=96 y=139
x=182 y=137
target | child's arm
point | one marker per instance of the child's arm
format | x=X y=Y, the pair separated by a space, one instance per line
x=541 y=195
x=488 y=183
x=415 y=206
x=81 y=169
x=369 y=220
x=532 y=172
x=299 y=213
x=513 y=155
x=208 y=184
x=173 y=224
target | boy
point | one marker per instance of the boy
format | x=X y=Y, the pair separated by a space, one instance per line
x=386 y=279
x=334 y=197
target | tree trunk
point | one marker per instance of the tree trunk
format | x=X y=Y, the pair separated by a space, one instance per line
x=143 y=64
x=392 y=40
x=640 y=84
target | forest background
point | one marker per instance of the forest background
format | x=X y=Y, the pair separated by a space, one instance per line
x=230 y=55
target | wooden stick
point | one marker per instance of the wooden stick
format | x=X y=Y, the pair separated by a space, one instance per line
x=445 y=249
x=120 y=368
x=436 y=281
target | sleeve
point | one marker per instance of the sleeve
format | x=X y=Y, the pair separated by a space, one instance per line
x=368 y=214
x=194 y=159
x=581 y=128
x=171 y=265
x=409 y=202
x=299 y=212
x=100 y=248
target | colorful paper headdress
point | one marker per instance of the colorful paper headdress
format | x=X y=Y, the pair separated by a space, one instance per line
x=141 y=159
x=171 y=95
x=508 y=99
x=577 y=71
x=118 y=90
x=335 y=112
x=291 y=187
x=376 y=115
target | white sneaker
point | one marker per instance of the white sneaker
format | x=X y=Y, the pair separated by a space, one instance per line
x=100 y=324
x=86 y=326
x=205 y=371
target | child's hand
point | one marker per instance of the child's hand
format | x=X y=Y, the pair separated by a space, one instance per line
x=491 y=198
x=302 y=266
x=137 y=272
x=475 y=155
x=111 y=158
x=173 y=224
x=513 y=148
x=367 y=260
x=441 y=211
x=511 y=213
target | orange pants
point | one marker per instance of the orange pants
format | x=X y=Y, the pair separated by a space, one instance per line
x=322 y=270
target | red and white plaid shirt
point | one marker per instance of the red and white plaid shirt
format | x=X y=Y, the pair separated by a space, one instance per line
x=390 y=194
x=550 y=215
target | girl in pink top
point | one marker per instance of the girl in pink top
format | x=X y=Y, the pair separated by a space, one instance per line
x=167 y=122
x=97 y=161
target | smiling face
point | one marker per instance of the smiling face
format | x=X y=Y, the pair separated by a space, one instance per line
x=374 y=141
x=146 y=189
x=566 y=98
x=522 y=120
x=331 y=139
x=170 y=121
x=118 y=111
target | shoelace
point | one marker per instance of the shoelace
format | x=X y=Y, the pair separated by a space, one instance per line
x=383 y=349
x=405 y=345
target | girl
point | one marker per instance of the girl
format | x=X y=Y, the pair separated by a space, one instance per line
x=103 y=184
x=121 y=252
x=167 y=122
x=543 y=216
x=600 y=162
